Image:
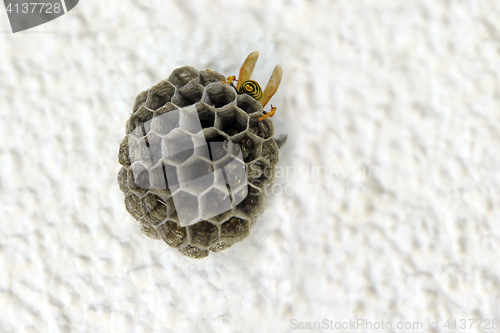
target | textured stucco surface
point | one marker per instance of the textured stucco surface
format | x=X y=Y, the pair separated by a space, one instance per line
x=409 y=90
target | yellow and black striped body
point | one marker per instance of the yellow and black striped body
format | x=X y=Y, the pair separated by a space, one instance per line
x=251 y=88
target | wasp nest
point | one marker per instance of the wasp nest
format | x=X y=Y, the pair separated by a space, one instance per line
x=196 y=162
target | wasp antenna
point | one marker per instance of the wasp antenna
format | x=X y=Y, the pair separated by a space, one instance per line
x=272 y=85
x=247 y=68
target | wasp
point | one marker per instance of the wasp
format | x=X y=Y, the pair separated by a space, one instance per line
x=250 y=87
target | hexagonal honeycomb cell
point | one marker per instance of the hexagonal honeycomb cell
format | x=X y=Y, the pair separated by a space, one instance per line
x=248 y=104
x=235 y=230
x=204 y=234
x=263 y=129
x=178 y=146
x=138 y=121
x=197 y=175
x=206 y=114
x=159 y=95
x=250 y=147
x=172 y=233
x=196 y=162
x=215 y=201
x=252 y=205
x=231 y=120
x=186 y=205
x=188 y=94
x=218 y=94
x=165 y=119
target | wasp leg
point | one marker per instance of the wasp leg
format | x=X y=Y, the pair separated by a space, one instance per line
x=229 y=79
x=270 y=114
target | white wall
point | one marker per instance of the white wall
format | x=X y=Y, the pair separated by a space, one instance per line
x=406 y=90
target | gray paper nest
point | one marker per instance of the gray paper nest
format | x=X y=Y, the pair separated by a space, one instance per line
x=167 y=163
